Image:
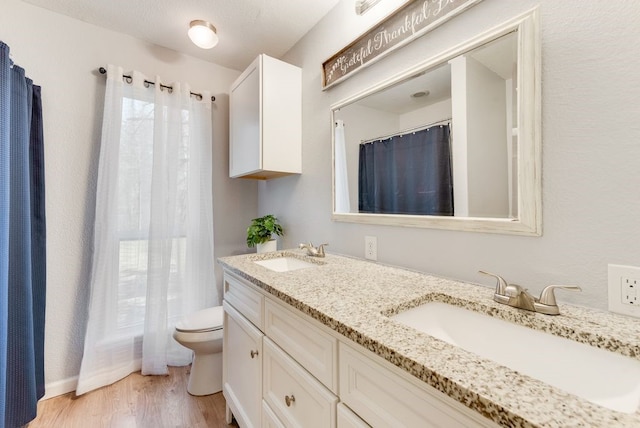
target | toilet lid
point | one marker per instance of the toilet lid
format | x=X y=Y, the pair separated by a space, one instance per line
x=209 y=319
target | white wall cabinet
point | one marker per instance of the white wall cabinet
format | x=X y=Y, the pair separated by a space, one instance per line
x=265 y=113
x=304 y=366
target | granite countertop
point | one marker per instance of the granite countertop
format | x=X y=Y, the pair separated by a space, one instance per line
x=354 y=298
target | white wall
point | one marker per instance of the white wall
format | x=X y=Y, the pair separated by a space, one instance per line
x=62 y=55
x=435 y=112
x=485 y=141
x=590 y=139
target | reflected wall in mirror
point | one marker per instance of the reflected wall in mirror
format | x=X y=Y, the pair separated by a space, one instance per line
x=453 y=143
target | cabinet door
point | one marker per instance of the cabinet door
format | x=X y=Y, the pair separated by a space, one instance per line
x=245 y=150
x=242 y=362
x=281 y=118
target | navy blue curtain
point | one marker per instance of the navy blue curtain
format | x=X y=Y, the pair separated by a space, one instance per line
x=22 y=245
x=408 y=174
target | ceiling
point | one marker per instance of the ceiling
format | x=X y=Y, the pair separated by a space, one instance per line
x=246 y=28
x=398 y=99
x=499 y=55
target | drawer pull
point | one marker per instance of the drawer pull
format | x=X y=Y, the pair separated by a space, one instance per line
x=254 y=354
x=289 y=400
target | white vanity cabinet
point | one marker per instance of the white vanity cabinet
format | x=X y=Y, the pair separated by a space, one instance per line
x=311 y=376
x=265 y=114
x=279 y=369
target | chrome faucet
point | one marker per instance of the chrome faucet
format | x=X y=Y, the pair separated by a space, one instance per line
x=313 y=251
x=518 y=297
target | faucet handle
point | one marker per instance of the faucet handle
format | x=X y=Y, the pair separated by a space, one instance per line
x=501 y=285
x=548 y=297
x=321 y=249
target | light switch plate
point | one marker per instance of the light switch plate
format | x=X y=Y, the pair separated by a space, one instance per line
x=624 y=282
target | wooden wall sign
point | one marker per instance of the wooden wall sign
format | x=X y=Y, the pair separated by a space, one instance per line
x=401 y=27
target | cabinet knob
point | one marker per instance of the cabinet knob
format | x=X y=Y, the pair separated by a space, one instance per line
x=254 y=354
x=289 y=400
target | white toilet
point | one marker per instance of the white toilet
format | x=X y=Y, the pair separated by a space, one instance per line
x=202 y=333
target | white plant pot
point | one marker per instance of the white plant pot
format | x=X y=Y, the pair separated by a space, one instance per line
x=267 y=247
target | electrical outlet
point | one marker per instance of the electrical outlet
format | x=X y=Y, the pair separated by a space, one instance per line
x=629 y=291
x=624 y=282
x=371 y=248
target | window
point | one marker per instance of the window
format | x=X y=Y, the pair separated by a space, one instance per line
x=136 y=167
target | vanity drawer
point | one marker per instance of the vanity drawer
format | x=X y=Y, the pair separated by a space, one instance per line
x=348 y=419
x=381 y=397
x=241 y=295
x=296 y=397
x=269 y=419
x=314 y=349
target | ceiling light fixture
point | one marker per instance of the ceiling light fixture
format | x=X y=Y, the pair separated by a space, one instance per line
x=203 y=34
x=420 y=94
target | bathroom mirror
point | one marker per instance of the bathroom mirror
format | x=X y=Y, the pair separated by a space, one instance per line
x=452 y=143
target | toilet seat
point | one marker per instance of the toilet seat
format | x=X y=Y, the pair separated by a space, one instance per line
x=205 y=320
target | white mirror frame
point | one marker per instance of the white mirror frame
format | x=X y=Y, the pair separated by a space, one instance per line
x=529 y=221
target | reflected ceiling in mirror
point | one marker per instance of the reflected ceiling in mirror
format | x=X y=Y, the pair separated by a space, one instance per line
x=452 y=143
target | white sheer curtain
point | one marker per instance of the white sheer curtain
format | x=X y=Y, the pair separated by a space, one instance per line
x=342 y=180
x=153 y=238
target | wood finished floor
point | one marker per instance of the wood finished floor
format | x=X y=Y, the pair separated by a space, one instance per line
x=135 y=402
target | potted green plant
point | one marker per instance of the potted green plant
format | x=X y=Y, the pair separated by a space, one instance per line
x=261 y=233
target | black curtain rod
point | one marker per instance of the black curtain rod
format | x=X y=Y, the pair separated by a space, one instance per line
x=198 y=96
x=407 y=131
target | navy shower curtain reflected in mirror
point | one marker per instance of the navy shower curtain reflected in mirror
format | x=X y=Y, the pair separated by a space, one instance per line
x=407 y=174
x=22 y=245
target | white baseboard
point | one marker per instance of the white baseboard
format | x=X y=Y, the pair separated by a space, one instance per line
x=60 y=387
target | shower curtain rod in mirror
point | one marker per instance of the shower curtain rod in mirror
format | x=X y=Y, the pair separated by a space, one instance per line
x=103 y=70
x=407 y=131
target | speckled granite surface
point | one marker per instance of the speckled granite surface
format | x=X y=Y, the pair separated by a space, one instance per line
x=352 y=297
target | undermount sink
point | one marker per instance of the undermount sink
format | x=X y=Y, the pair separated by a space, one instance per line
x=601 y=377
x=285 y=264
